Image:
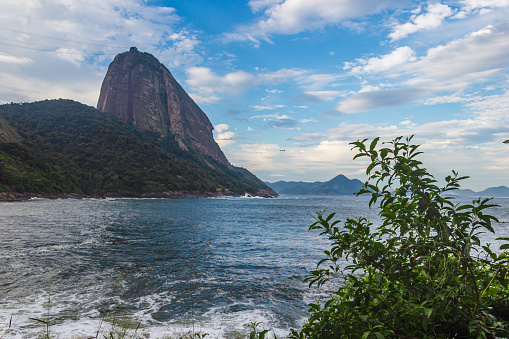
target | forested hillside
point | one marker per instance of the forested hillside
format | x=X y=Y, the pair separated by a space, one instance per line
x=68 y=147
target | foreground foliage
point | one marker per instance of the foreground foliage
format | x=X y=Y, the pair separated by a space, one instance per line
x=423 y=273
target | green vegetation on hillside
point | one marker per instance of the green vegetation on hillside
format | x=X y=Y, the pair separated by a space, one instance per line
x=68 y=147
x=22 y=170
x=423 y=273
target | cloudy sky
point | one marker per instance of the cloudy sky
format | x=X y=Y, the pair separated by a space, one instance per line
x=302 y=76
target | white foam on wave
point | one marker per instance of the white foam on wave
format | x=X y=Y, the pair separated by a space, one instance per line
x=218 y=322
x=249 y=196
x=222 y=327
x=224 y=324
x=24 y=318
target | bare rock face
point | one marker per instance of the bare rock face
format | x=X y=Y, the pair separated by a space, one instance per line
x=7 y=133
x=141 y=91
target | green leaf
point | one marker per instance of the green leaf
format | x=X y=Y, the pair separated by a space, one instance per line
x=370 y=167
x=261 y=335
x=373 y=143
x=490 y=252
x=358 y=155
x=330 y=216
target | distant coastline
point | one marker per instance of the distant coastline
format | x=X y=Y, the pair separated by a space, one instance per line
x=341 y=185
x=491 y=192
x=12 y=197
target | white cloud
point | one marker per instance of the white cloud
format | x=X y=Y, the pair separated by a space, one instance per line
x=461 y=62
x=204 y=81
x=258 y=5
x=204 y=99
x=272 y=107
x=477 y=4
x=346 y=132
x=400 y=56
x=460 y=15
x=315 y=82
x=10 y=59
x=485 y=31
x=492 y=107
x=72 y=55
x=442 y=75
x=268 y=160
x=85 y=35
x=273 y=91
x=323 y=95
x=282 y=75
x=378 y=99
x=304 y=121
x=98 y=26
x=32 y=88
x=267 y=117
x=295 y=16
x=433 y=18
x=221 y=128
x=278 y=121
x=471 y=144
x=224 y=137
x=207 y=87
x=369 y=88
x=487 y=126
x=446 y=99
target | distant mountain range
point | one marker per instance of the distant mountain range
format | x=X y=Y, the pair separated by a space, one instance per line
x=341 y=185
x=495 y=192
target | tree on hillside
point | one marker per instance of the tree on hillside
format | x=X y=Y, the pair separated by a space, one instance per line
x=423 y=272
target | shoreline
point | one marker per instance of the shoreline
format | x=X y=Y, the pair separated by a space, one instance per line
x=13 y=197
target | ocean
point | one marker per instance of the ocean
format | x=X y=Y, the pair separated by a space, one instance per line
x=86 y=267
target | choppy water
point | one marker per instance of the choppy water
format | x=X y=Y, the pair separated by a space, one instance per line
x=212 y=265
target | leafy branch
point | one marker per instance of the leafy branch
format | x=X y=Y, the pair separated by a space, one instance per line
x=423 y=272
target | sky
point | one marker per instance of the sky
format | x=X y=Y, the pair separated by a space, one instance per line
x=288 y=84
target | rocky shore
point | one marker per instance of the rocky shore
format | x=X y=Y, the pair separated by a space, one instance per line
x=8 y=196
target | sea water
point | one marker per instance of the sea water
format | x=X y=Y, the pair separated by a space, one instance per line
x=84 y=267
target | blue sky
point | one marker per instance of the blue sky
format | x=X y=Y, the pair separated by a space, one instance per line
x=304 y=76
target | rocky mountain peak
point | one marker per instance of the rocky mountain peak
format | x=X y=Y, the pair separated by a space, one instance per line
x=141 y=91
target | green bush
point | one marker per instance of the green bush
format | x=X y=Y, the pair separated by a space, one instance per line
x=423 y=273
